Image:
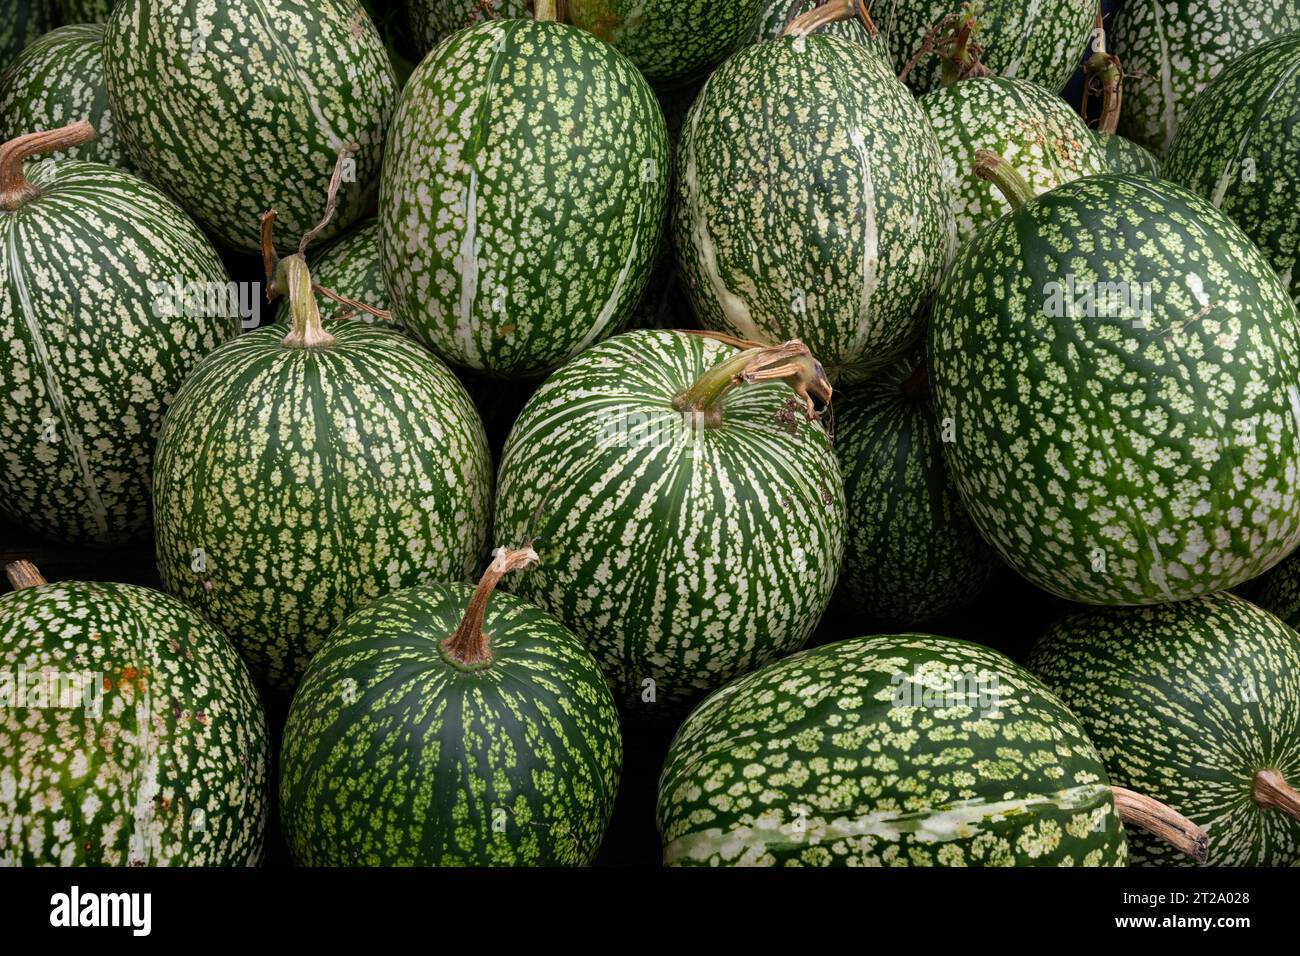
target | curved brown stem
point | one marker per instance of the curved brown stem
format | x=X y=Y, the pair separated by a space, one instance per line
x=1163 y=822
x=828 y=11
x=384 y=314
x=15 y=190
x=331 y=196
x=470 y=646
x=24 y=574
x=1272 y=790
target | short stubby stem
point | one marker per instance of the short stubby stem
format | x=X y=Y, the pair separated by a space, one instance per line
x=1163 y=822
x=1272 y=790
x=15 y=190
x=294 y=278
x=24 y=574
x=1005 y=177
x=470 y=647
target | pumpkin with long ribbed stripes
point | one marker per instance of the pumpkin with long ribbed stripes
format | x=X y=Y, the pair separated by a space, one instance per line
x=689 y=528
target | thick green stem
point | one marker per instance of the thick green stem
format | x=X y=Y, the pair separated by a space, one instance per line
x=1272 y=790
x=1162 y=822
x=470 y=647
x=15 y=190
x=292 y=277
x=992 y=167
x=23 y=574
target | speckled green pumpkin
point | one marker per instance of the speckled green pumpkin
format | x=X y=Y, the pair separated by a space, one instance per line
x=808 y=206
x=21 y=22
x=395 y=754
x=1035 y=131
x=94 y=343
x=58 y=80
x=900 y=750
x=1041 y=41
x=1238 y=148
x=523 y=196
x=85 y=11
x=683 y=555
x=1125 y=156
x=1141 y=448
x=145 y=746
x=670 y=41
x=1187 y=702
x=434 y=20
x=351 y=267
x=911 y=553
x=293 y=485
x=242 y=106
x=1172 y=49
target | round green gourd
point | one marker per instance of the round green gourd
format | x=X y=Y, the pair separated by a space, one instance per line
x=899 y=750
x=810 y=207
x=1172 y=49
x=97 y=332
x=57 y=80
x=1196 y=704
x=912 y=553
x=686 y=543
x=443 y=725
x=351 y=267
x=1134 y=450
x=146 y=743
x=21 y=22
x=523 y=195
x=1034 y=130
x=299 y=477
x=238 y=107
x=1237 y=147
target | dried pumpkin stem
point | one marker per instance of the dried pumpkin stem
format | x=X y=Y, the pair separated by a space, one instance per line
x=791 y=362
x=24 y=574
x=1272 y=790
x=15 y=190
x=1163 y=822
x=470 y=646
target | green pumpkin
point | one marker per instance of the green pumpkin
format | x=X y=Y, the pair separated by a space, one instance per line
x=1172 y=49
x=1237 y=147
x=143 y=745
x=523 y=195
x=299 y=477
x=912 y=553
x=1034 y=130
x=406 y=745
x=98 y=329
x=686 y=546
x=351 y=267
x=1194 y=704
x=1118 y=364
x=238 y=107
x=899 y=750
x=58 y=80
x=809 y=207
x=21 y=22
x=1125 y=156
x=432 y=21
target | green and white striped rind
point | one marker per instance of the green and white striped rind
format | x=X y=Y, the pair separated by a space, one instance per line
x=294 y=485
x=57 y=80
x=1041 y=41
x=1125 y=156
x=351 y=267
x=681 y=556
x=85 y=11
x=432 y=21
x=21 y=22
x=94 y=347
x=1172 y=49
x=1237 y=148
x=172 y=771
x=523 y=196
x=776 y=17
x=670 y=41
x=912 y=552
x=1125 y=457
x=1035 y=131
x=811 y=207
x=1187 y=702
x=239 y=107
x=836 y=757
x=394 y=756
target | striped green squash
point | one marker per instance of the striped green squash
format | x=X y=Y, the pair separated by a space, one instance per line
x=670 y=41
x=912 y=553
x=523 y=196
x=85 y=11
x=1034 y=130
x=810 y=207
x=432 y=21
x=238 y=107
x=1237 y=147
x=21 y=22
x=1041 y=41
x=1125 y=156
x=1119 y=366
x=98 y=328
x=351 y=267
x=689 y=531
x=1197 y=704
x=130 y=732
x=1172 y=49
x=299 y=477
x=58 y=80
x=436 y=728
x=898 y=750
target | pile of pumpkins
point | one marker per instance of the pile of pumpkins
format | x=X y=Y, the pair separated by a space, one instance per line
x=943 y=325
